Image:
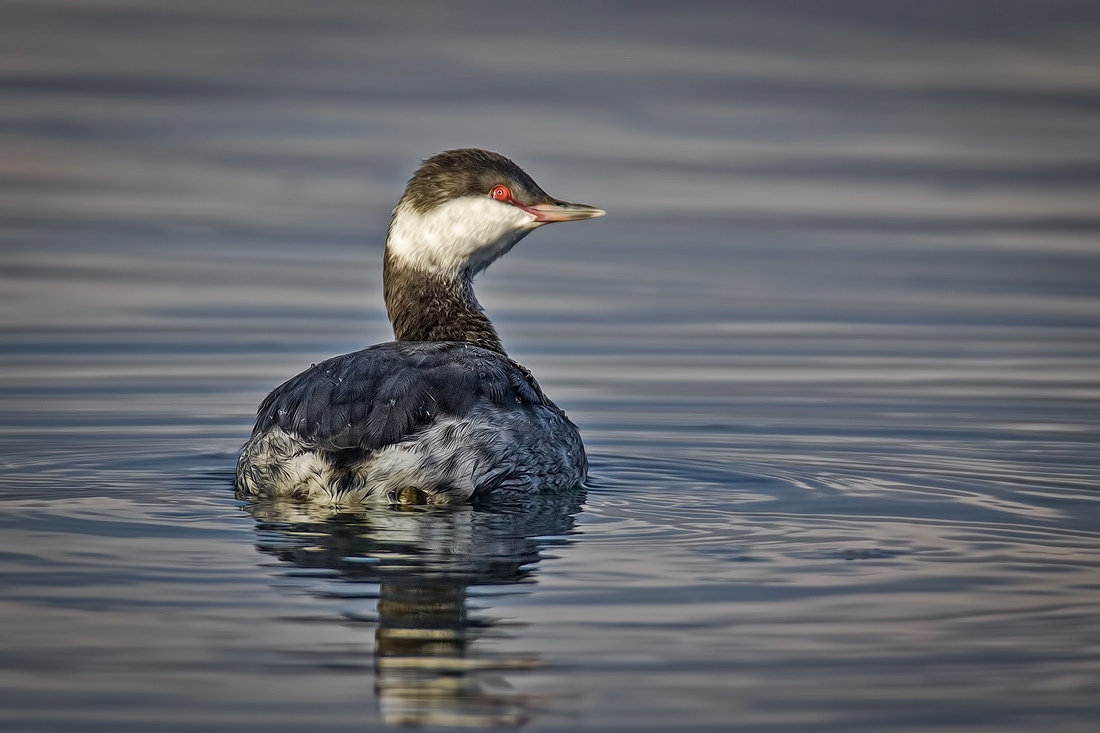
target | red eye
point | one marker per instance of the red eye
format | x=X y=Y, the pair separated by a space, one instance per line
x=501 y=193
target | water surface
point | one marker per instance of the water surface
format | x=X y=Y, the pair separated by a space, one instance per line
x=835 y=352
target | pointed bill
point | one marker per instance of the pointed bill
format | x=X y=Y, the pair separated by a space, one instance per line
x=563 y=211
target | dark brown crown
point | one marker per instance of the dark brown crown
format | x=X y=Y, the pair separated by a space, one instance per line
x=468 y=172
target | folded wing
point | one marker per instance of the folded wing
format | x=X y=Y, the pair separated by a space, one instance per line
x=381 y=395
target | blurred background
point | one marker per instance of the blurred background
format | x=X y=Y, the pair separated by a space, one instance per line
x=835 y=351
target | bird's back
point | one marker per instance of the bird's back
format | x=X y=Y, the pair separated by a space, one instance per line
x=353 y=425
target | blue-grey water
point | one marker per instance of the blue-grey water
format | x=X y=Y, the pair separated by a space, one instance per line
x=835 y=352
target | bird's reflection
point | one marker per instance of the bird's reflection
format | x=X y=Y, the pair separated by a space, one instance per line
x=429 y=667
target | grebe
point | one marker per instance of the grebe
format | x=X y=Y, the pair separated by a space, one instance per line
x=441 y=415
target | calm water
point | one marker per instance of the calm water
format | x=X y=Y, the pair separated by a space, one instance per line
x=835 y=351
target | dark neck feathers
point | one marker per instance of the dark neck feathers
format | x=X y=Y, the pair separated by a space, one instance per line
x=429 y=306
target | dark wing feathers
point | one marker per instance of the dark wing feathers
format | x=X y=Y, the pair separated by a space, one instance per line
x=378 y=396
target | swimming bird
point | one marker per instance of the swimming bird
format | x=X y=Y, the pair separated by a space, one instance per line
x=440 y=415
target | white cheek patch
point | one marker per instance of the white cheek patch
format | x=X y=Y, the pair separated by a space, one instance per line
x=465 y=233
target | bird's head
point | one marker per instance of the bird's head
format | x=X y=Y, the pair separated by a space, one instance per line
x=465 y=208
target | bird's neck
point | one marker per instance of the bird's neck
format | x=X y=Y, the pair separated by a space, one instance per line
x=435 y=306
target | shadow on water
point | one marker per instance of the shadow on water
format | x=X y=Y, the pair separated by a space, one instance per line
x=417 y=565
